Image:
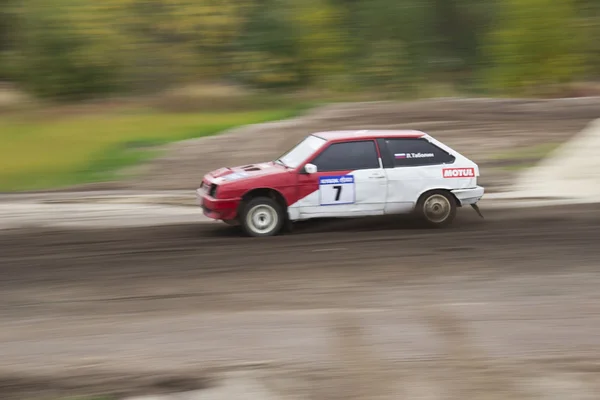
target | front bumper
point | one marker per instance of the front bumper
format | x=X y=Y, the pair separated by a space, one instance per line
x=222 y=209
x=469 y=196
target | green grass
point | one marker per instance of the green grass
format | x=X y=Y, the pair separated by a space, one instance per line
x=518 y=167
x=536 y=152
x=72 y=150
x=525 y=157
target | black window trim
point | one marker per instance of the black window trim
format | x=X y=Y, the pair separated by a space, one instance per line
x=392 y=164
x=374 y=141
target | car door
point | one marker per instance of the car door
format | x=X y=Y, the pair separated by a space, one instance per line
x=350 y=181
x=413 y=166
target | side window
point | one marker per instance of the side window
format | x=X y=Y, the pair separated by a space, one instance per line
x=348 y=156
x=415 y=152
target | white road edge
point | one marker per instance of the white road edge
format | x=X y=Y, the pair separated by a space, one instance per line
x=106 y=214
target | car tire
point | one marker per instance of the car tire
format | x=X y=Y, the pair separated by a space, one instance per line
x=437 y=208
x=262 y=216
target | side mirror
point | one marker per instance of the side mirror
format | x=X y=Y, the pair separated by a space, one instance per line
x=310 y=168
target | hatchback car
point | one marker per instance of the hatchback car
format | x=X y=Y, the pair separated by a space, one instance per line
x=344 y=174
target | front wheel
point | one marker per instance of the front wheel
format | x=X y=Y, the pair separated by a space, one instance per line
x=262 y=216
x=437 y=208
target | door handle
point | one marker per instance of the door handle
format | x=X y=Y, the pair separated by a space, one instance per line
x=377 y=176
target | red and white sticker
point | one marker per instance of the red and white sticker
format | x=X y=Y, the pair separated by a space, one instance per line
x=459 y=172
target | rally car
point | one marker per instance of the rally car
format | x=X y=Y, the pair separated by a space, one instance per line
x=344 y=174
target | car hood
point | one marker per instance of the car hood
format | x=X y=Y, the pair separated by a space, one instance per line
x=229 y=174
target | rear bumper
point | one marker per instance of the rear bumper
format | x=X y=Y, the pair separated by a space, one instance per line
x=221 y=209
x=469 y=196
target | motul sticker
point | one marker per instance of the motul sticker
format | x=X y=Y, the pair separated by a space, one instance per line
x=459 y=172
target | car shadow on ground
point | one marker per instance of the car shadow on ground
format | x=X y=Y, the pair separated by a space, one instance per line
x=464 y=219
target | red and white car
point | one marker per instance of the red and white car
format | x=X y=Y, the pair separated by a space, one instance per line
x=344 y=174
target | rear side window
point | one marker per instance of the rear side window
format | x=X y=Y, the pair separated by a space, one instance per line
x=413 y=152
x=348 y=156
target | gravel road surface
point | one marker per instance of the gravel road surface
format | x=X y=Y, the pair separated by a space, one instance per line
x=507 y=307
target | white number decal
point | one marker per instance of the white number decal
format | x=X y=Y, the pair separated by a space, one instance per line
x=336 y=190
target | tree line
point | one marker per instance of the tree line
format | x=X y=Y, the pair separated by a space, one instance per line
x=71 y=49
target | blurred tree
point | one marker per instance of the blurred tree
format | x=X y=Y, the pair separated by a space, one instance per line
x=5 y=24
x=84 y=48
x=266 y=53
x=288 y=43
x=589 y=12
x=180 y=40
x=459 y=30
x=322 y=43
x=535 y=45
x=395 y=36
x=65 y=49
x=7 y=31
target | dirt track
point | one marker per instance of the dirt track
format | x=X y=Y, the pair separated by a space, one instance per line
x=505 y=307
x=501 y=135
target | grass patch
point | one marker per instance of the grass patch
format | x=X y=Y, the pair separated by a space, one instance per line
x=518 y=167
x=71 y=150
x=520 y=159
x=536 y=152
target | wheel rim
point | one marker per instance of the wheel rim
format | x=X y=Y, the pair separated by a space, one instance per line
x=262 y=219
x=437 y=208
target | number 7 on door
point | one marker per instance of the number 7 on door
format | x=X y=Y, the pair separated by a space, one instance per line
x=334 y=190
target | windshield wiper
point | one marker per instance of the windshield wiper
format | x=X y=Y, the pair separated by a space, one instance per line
x=278 y=161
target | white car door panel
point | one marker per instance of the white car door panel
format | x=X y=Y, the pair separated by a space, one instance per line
x=350 y=192
x=361 y=192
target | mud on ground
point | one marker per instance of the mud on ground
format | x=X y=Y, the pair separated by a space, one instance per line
x=501 y=135
x=502 y=308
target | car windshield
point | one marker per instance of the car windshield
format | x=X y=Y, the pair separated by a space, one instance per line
x=301 y=151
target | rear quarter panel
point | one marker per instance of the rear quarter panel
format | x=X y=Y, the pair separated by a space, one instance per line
x=406 y=184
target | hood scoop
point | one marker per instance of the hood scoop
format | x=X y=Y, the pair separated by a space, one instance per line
x=250 y=168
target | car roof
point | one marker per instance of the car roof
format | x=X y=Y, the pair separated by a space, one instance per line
x=369 y=134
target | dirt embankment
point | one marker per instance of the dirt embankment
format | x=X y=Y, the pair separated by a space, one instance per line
x=498 y=134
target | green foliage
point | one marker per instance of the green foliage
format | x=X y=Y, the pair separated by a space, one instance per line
x=394 y=43
x=73 y=49
x=589 y=13
x=536 y=44
x=289 y=43
x=65 y=50
x=178 y=40
x=266 y=53
x=321 y=41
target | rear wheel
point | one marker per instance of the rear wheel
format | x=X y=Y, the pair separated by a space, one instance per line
x=262 y=216
x=437 y=208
